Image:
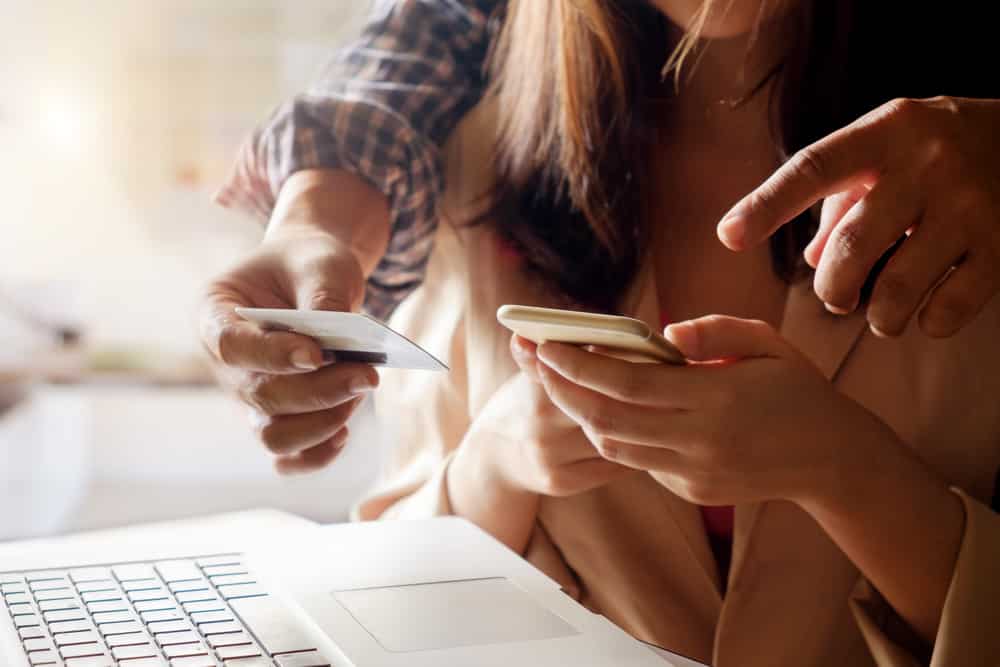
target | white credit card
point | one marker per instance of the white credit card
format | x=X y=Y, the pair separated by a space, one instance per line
x=348 y=337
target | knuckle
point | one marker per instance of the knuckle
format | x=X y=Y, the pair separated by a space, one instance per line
x=951 y=309
x=632 y=386
x=599 y=422
x=608 y=448
x=849 y=239
x=270 y=433
x=894 y=290
x=902 y=109
x=225 y=340
x=328 y=299
x=260 y=392
x=810 y=163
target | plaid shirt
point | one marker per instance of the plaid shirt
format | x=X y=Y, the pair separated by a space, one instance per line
x=382 y=110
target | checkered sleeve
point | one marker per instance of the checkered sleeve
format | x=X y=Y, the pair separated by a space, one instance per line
x=382 y=110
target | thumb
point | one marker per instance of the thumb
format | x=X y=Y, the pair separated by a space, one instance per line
x=719 y=337
x=340 y=287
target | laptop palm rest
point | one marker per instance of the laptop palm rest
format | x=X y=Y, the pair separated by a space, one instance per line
x=451 y=614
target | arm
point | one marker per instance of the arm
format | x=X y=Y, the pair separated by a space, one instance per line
x=379 y=116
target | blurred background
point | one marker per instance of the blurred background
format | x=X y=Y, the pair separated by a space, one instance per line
x=118 y=120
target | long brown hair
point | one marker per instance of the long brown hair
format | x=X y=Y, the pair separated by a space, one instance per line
x=574 y=80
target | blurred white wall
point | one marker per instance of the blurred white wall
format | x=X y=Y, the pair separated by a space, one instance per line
x=117 y=121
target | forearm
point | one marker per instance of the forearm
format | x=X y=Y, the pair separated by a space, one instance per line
x=900 y=525
x=338 y=203
x=478 y=493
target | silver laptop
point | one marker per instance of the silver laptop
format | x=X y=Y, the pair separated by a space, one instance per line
x=437 y=593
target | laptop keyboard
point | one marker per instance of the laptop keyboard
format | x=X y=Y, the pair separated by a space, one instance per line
x=201 y=612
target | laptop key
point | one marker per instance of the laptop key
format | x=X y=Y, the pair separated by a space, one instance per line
x=210 y=605
x=21 y=609
x=133 y=652
x=17 y=598
x=55 y=594
x=47 y=575
x=310 y=659
x=190 y=585
x=141 y=585
x=32 y=632
x=277 y=630
x=38 y=644
x=133 y=572
x=58 y=605
x=98 y=585
x=241 y=651
x=101 y=596
x=178 y=570
x=215 y=561
x=162 y=615
x=197 y=661
x=248 y=662
x=89 y=574
x=26 y=620
x=49 y=585
x=211 y=617
x=235 y=591
x=145 y=596
x=154 y=605
x=93 y=661
x=10 y=578
x=65 y=615
x=232 y=579
x=7 y=589
x=219 y=570
x=119 y=628
x=106 y=606
x=81 y=650
x=219 y=628
x=173 y=638
x=113 y=617
x=169 y=626
x=185 y=650
x=43 y=658
x=228 y=639
x=71 y=638
x=196 y=596
x=127 y=639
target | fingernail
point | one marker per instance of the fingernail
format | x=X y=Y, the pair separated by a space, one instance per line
x=732 y=231
x=361 y=384
x=302 y=359
x=836 y=310
x=684 y=338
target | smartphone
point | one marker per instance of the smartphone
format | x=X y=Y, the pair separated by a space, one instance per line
x=621 y=334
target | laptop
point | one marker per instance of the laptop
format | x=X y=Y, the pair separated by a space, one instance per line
x=434 y=593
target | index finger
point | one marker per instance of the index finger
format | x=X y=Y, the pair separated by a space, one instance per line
x=652 y=384
x=843 y=160
x=238 y=343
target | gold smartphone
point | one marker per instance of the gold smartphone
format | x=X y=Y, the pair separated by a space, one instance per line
x=622 y=334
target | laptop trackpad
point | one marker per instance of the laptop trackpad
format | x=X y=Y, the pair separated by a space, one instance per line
x=451 y=614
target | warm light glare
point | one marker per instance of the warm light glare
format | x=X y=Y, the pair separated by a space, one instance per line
x=62 y=123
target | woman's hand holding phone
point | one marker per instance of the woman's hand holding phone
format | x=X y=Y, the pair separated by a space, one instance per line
x=520 y=447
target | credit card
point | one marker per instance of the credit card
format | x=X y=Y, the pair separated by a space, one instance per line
x=348 y=337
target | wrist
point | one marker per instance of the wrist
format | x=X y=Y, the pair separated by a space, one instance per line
x=337 y=204
x=863 y=459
